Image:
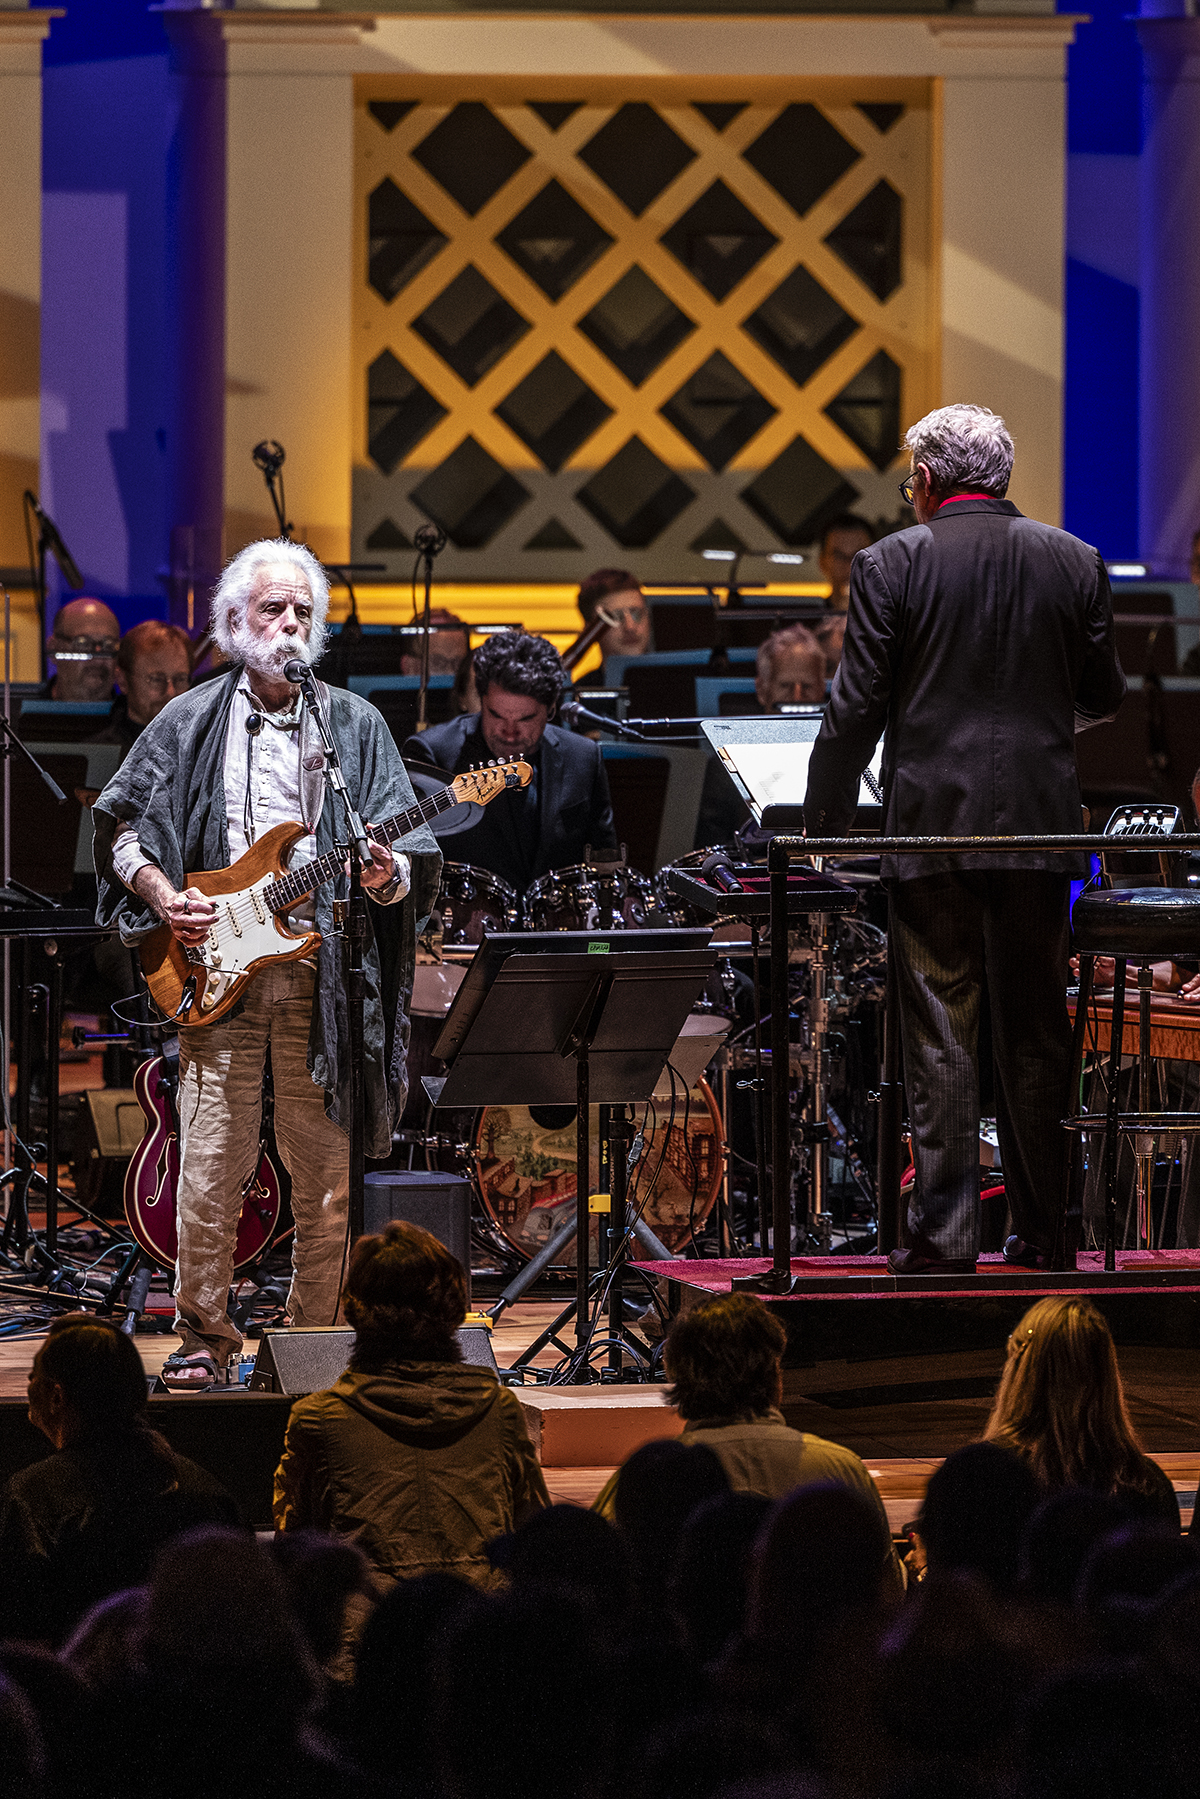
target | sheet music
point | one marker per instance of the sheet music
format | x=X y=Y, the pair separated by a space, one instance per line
x=777 y=774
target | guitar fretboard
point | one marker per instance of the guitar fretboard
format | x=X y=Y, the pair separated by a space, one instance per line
x=290 y=889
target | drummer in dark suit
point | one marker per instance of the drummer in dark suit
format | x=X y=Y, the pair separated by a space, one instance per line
x=526 y=832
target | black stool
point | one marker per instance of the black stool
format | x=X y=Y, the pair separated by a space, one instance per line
x=1142 y=925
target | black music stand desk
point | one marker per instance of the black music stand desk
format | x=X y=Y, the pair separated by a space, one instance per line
x=570 y=1018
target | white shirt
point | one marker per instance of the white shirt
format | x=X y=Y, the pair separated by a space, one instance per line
x=272 y=777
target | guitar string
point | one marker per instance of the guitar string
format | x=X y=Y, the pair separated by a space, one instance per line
x=288 y=889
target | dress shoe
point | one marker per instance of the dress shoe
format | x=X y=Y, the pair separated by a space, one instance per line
x=1019 y=1254
x=915 y=1261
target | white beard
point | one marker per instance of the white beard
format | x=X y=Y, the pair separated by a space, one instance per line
x=269 y=658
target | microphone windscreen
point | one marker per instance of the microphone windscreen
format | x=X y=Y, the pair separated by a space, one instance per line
x=719 y=870
x=295 y=671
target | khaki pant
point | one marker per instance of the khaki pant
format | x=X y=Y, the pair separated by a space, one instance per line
x=220 y=1108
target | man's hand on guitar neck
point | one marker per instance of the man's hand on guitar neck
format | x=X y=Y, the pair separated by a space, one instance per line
x=190 y=914
x=381 y=871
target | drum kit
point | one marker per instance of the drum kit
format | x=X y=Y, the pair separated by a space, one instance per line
x=699 y=1159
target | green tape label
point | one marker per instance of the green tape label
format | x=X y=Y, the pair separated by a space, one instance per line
x=599 y=949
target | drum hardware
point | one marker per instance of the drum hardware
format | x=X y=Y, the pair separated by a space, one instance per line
x=590 y=896
x=531 y=1007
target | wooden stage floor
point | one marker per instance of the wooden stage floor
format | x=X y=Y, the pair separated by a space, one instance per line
x=893 y=1414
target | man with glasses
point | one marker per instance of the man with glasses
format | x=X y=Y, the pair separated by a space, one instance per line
x=83 y=648
x=154 y=663
x=978 y=641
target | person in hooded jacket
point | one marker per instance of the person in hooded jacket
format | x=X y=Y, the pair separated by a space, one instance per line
x=415 y=1456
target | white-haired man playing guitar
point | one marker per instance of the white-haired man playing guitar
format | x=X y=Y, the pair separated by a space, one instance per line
x=218 y=768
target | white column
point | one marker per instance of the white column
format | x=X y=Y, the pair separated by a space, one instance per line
x=290 y=213
x=1003 y=182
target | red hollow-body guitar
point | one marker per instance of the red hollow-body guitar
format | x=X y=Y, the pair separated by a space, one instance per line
x=152 y=1179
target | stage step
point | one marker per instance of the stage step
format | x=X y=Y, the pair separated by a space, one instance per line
x=593 y=1427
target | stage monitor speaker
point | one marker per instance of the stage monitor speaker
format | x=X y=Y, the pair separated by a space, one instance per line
x=440 y=1203
x=306 y=1361
x=110 y=1127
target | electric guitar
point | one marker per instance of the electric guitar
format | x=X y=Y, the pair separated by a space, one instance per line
x=152 y=1179
x=196 y=985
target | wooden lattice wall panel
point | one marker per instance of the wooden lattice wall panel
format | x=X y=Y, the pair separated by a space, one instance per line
x=603 y=329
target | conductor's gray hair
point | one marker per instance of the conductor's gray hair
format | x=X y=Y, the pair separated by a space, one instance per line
x=232 y=592
x=966 y=449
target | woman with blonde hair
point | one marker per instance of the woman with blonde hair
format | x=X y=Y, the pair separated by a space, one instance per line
x=1061 y=1408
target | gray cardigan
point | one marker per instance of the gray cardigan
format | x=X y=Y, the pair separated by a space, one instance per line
x=171 y=788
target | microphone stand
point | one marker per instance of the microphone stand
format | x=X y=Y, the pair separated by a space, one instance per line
x=429 y=541
x=49 y=539
x=573 y=711
x=352 y=919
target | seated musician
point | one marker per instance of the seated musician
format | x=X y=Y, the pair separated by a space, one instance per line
x=550 y=824
x=789 y=670
x=615 y=593
x=154 y=663
x=841 y=540
x=83 y=649
x=449 y=645
x=205 y=780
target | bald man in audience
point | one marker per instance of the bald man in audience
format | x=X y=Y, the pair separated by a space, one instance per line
x=789 y=669
x=83 y=649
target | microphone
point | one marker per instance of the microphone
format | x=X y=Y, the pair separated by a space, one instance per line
x=254 y=724
x=54 y=542
x=719 y=870
x=269 y=456
x=430 y=540
x=297 y=672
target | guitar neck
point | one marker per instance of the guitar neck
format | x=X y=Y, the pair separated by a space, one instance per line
x=291 y=888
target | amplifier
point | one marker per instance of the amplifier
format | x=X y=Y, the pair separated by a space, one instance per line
x=440 y=1203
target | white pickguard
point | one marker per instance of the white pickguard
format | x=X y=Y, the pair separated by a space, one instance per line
x=244 y=934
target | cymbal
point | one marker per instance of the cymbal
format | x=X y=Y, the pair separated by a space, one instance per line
x=427 y=780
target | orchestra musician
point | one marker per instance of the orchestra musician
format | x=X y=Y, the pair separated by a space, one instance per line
x=841 y=540
x=218 y=767
x=615 y=616
x=83 y=647
x=977 y=642
x=551 y=823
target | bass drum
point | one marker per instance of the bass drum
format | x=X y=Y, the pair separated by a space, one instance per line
x=471 y=901
x=594 y=896
x=525 y=1170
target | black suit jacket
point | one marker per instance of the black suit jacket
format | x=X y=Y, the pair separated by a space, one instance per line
x=574 y=808
x=975 y=644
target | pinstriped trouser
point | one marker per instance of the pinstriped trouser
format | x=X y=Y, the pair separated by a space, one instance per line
x=220 y=1111
x=949 y=932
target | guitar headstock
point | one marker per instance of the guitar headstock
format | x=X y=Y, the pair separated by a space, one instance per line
x=484 y=783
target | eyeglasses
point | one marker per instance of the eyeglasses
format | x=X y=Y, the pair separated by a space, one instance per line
x=83 y=649
x=160 y=683
x=906 y=488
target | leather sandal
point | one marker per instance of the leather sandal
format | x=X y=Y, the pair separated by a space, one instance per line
x=178 y=1365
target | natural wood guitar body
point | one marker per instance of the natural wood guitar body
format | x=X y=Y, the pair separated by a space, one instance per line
x=197 y=986
x=165 y=961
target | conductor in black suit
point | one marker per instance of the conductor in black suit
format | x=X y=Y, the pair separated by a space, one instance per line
x=978 y=641
x=550 y=824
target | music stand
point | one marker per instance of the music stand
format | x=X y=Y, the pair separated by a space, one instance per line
x=532 y=1003
x=767 y=761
